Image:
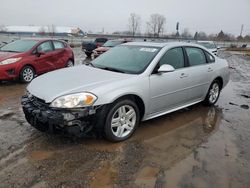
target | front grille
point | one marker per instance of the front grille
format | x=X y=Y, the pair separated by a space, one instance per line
x=37 y=101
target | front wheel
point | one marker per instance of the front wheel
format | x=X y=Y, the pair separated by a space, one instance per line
x=27 y=74
x=122 y=120
x=213 y=93
x=70 y=63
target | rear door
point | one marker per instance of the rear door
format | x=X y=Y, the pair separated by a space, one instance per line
x=199 y=72
x=45 y=61
x=60 y=54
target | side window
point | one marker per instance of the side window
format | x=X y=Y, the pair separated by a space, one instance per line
x=210 y=58
x=173 y=57
x=45 y=47
x=58 y=45
x=196 y=56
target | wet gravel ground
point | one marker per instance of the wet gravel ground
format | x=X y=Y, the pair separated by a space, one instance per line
x=194 y=147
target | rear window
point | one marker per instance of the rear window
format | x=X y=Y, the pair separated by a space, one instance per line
x=101 y=40
x=58 y=45
x=196 y=56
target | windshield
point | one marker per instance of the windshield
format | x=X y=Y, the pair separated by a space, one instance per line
x=19 y=46
x=112 y=43
x=127 y=59
x=207 y=45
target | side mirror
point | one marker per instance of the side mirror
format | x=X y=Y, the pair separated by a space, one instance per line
x=166 y=68
x=39 y=53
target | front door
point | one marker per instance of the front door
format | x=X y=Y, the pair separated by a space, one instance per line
x=45 y=61
x=170 y=90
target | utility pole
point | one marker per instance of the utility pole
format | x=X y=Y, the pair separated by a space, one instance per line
x=241 y=30
x=177 y=30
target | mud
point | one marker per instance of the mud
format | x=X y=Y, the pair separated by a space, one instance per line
x=194 y=147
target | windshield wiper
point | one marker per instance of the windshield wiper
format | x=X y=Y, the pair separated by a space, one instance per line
x=112 y=69
x=9 y=51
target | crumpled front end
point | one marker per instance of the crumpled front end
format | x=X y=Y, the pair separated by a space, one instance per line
x=75 y=122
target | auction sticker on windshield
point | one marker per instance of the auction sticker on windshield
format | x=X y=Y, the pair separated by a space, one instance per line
x=148 y=49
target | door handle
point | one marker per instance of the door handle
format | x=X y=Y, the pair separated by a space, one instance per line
x=209 y=69
x=183 y=75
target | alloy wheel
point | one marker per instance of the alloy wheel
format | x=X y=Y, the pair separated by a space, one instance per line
x=123 y=121
x=28 y=74
x=214 y=92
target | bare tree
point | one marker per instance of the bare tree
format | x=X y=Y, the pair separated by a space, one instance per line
x=134 y=23
x=51 y=29
x=156 y=24
x=42 y=31
x=186 y=33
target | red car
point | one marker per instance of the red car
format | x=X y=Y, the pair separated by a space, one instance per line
x=23 y=59
x=107 y=45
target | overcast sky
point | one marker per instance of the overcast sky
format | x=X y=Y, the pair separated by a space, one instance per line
x=198 y=15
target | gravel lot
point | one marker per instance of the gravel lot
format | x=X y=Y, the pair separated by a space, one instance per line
x=194 y=147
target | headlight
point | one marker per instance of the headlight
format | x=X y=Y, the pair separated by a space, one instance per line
x=10 y=60
x=76 y=100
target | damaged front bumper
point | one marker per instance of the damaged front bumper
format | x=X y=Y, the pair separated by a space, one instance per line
x=76 y=122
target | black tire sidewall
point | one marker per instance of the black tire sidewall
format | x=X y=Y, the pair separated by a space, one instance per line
x=207 y=101
x=88 y=54
x=21 y=74
x=68 y=63
x=107 y=127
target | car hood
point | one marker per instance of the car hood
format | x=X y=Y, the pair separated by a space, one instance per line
x=6 y=55
x=72 y=80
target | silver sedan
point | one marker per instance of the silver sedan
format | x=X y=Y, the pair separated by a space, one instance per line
x=130 y=83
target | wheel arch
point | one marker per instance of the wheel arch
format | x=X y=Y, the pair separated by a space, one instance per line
x=137 y=99
x=24 y=65
x=220 y=80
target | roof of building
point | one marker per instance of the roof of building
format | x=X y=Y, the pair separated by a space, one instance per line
x=43 y=29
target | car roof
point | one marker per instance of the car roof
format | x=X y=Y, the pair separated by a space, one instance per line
x=162 y=44
x=41 y=39
x=205 y=41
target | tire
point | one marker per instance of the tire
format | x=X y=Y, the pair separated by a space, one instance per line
x=27 y=74
x=120 y=113
x=70 y=63
x=88 y=54
x=213 y=93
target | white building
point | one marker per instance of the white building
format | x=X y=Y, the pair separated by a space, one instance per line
x=42 y=30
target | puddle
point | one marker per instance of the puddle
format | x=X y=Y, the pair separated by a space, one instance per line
x=104 y=177
x=245 y=96
x=147 y=177
x=41 y=155
x=244 y=106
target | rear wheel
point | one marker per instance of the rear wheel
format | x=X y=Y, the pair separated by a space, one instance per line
x=213 y=93
x=122 y=120
x=27 y=74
